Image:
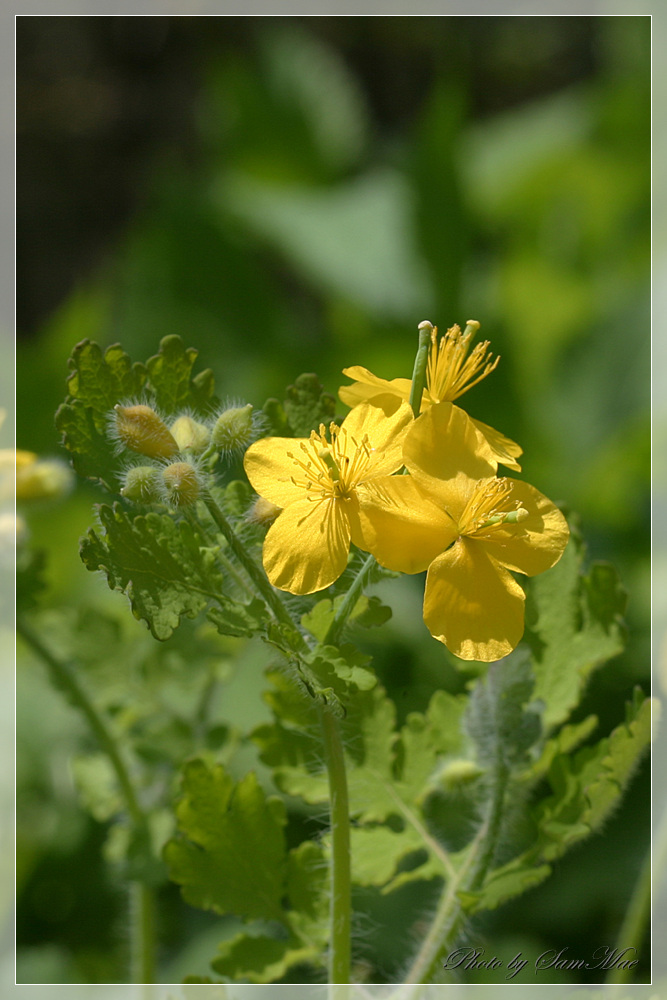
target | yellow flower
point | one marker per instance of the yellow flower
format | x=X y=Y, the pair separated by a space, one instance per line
x=454 y=517
x=317 y=482
x=450 y=372
x=35 y=478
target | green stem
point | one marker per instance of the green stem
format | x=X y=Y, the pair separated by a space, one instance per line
x=65 y=677
x=142 y=903
x=341 y=878
x=449 y=916
x=419 y=370
x=226 y=563
x=256 y=575
x=349 y=602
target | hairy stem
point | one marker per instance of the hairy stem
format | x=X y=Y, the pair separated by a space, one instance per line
x=341 y=879
x=449 y=916
x=142 y=903
x=257 y=575
x=65 y=677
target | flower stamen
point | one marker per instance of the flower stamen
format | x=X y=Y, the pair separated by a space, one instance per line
x=451 y=371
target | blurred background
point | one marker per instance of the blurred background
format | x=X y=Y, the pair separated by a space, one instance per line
x=296 y=194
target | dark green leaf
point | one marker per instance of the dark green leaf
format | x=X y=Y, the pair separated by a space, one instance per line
x=170 y=374
x=235 y=618
x=99 y=381
x=161 y=564
x=307 y=405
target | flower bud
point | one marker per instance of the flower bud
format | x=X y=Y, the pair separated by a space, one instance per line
x=181 y=484
x=233 y=429
x=263 y=512
x=142 y=484
x=190 y=435
x=459 y=773
x=139 y=428
x=38 y=479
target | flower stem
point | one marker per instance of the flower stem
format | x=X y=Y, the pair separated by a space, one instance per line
x=348 y=604
x=65 y=678
x=341 y=879
x=257 y=575
x=419 y=370
x=142 y=904
x=449 y=916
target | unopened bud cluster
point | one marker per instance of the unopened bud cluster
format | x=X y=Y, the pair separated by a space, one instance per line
x=139 y=428
x=181 y=450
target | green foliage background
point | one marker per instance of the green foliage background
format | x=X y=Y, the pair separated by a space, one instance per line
x=314 y=188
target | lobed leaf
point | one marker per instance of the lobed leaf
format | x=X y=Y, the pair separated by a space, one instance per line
x=574 y=624
x=161 y=564
x=367 y=612
x=307 y=405
x=170 y=375
x=230 y=856
x=586 y=787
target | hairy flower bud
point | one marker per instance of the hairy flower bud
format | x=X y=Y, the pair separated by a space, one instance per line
x=234 y=428
x=263 y=512
x=190 y=435
x=142 y=484
x=181 y=484
x=139 y=428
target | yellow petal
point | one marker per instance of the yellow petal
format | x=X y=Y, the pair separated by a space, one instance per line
x=384 y=421
x=269 y=469
x=367 y=385
x=473 y=605
x=306 y=548
x=505 y=451
x=443 y=444
x=401 y=527
x=531 y=546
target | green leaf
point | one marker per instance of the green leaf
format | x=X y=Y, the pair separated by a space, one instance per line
x=259 y=958
x=427 y=740
x=262 y=958
x=230 y=856
x=99 y=381
x=565 y=741
x=341 y=669
x=161 y=564
x=97 y=785
x=307 y=405
x=512 y=880
x=274 y=412
x=574 y=624
x=587 y=786
x=235 y=618
x=93 y=453
x=367 y=612
x=170 y=374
